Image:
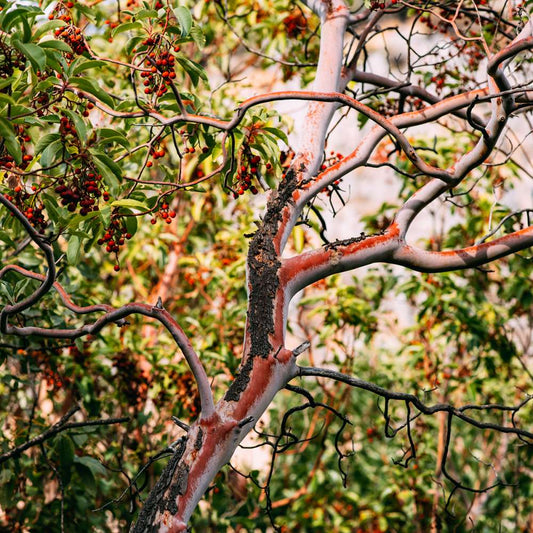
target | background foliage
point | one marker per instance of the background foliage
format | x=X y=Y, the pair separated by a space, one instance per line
x=462 y=337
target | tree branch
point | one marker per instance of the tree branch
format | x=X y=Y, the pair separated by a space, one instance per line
x=58 y=427
x=458 y=412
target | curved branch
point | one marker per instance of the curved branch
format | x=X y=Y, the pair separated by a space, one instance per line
x=65 y=298
x=299 y=271
x=47 y=281
x=458 y=412
x=472 y=256
x=58 y=427
x=117 y=316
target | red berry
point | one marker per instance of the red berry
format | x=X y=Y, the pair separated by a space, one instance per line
x=116 y=268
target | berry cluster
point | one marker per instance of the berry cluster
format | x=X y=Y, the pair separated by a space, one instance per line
x=161 y=69
x=66 y=126
x=40 y=102
x=10 y=59
x=157 y=152
x=333 y=159
x=186 y=395
x=6 y=160
x=131 y=380
x=188 y=137
x=295 y=24
x=70 y=34
x=53 y=379
x=374 y=6
x=27 y=204
x=248 y=171
x=164 y=213
x=83 y=190
x=115 y=237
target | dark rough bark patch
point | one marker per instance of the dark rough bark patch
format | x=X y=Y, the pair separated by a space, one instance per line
x=182 y=477
x=263 y=267
x=347 y=242
x=240 y=382
x=199 y=439
x=177 y=489
x=155 y=500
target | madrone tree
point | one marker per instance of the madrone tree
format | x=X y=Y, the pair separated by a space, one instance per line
x=116 y=118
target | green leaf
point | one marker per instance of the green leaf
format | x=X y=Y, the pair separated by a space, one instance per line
x=54 y=59
x=132 y=43
x=194 y=70
x=45 y=141
x=280 y=134
x=86 y=475
x=73 y=250
x=9 y=17
x=56 y=45
x=146 y=13
x=96 y=467
x=86 y=65
x=50 y=152
x=7 y=99
x=46 y=27
x=93 y=88
x=198 y=36
x=79 y=123
x=10 y=140
x=5 y=476
x=33 y=52
x=129 y=202
x=107 y=135
x=185 y=20
x=109 y=163
x=7 y=82
x=46 y=84
x=75 y=222
x=110 y=177
x=64 y=448
x=126 y=27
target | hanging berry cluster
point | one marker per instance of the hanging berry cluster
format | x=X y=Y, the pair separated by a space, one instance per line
x=295 y=24
x=190 y=137
x=83 y=190
x=53 y=379
x=333 y=159
x=29 y=206
x=165 y=213
x=248 y=171
x=131 y=380
x=156 y=152
x=6 y=159
x=160 y=63
x=185 y=395
x=73 y=37
x=115 y=237
x=10 y=59
x=375 y=6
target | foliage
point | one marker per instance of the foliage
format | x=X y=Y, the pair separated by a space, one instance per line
x=138 y=205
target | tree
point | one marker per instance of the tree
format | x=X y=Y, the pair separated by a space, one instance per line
x=115 y=117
